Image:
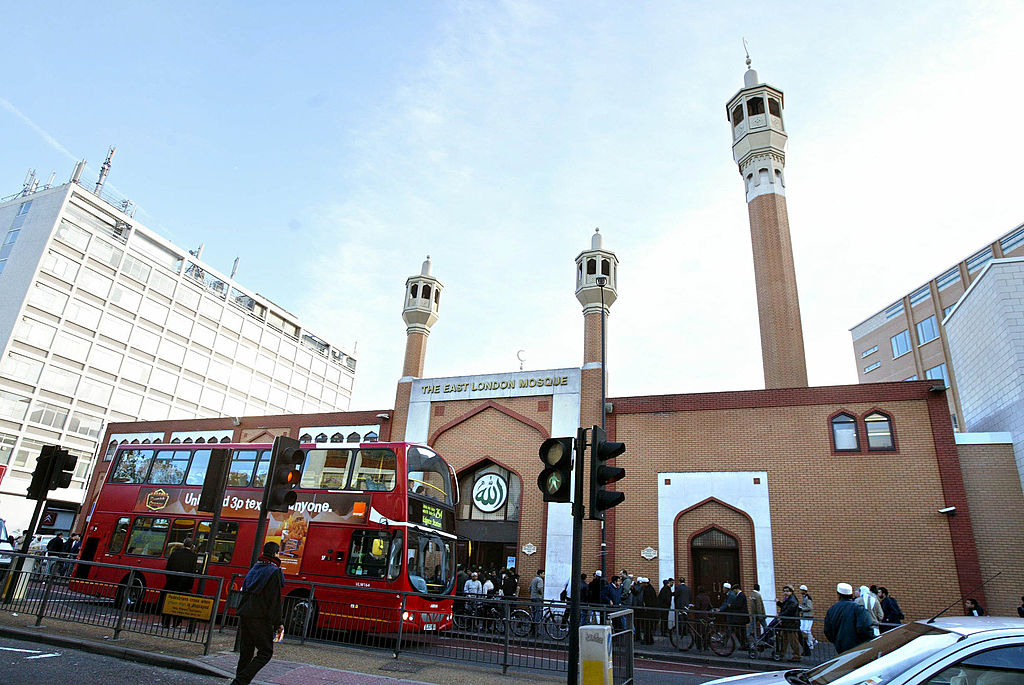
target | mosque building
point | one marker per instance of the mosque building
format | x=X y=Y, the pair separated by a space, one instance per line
x=865 y=484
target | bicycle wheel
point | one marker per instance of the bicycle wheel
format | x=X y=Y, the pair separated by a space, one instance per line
x=722 y=642
x=681 y=639
x=556 y=627
x=520 y=623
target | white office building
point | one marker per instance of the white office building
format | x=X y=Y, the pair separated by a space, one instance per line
x=103 y=320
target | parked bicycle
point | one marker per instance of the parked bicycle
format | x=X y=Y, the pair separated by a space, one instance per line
x=703 y=632
x=555 y=623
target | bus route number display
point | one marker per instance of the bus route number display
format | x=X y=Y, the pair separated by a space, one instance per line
x=427 y=514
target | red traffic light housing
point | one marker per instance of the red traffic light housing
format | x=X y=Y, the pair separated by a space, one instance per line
x=602 y=475
x=555 y=479
x=285 y=473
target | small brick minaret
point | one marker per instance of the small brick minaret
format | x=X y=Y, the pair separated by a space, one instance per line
x=759 y=149
x=591 y=265
x=422 y=302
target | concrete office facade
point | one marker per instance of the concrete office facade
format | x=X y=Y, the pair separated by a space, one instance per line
x=103 y=320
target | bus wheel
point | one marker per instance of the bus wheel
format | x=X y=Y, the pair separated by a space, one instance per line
x=130 y=592
x=302 y=612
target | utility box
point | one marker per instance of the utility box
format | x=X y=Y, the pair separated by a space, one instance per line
x=595 y=655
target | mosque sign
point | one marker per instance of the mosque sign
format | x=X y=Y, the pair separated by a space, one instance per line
x=519 y=384
x=490 y=493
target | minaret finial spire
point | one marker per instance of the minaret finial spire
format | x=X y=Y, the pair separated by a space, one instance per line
x=746 y=50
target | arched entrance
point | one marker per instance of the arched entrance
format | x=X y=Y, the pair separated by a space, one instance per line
x=716 y=560
x=488 y=515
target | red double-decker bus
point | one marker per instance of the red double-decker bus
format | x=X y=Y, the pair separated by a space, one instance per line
x=372 y=516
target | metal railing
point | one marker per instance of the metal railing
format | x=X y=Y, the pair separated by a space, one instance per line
x=495 y=632
x=58 y=588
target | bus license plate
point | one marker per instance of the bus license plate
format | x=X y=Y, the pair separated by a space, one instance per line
x=429 y=626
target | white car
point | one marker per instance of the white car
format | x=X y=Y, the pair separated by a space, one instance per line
x=984 y=650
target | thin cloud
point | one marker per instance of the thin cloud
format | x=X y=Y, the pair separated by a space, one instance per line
x=50 y=140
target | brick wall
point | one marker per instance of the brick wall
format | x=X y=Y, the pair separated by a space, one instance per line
x=997 y=518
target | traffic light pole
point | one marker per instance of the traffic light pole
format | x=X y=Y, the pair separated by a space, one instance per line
x=577 y=561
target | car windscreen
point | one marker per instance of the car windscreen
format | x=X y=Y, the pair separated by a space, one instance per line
x=884 y=658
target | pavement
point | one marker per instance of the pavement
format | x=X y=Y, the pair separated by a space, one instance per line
x=302 y=664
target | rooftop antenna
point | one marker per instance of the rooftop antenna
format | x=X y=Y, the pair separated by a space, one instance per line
x=234 y=269
x=105 y=169
x=49 y=183
x=746 y=50
x=30 y=178
x=76 y=175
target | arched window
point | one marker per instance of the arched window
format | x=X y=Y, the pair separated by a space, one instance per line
x=879 y=427
x=226 y=438
x=135 y=441
x=338 y=437
x=591 y=267
x=353 y=437
x=437 y=298
x=305 y=437
x=200 y=440
x=755 y=106
x=146 y=441
x=774 y=108
x=176 y=441
x=414 y=290
x=844 y=433
x=715 y=539
x=322 y=437
x=606 y=268
x=371 y=437
x=187 y=441
x=426 y=292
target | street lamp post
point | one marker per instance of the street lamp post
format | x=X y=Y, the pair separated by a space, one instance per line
x=602 y=281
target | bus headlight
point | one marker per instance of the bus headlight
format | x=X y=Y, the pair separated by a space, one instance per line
x=407 y=615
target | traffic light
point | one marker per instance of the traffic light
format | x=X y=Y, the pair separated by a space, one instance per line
x=286 y=471
x=63 y=469
x=39 y=486
x=601 y=474
x=555 y=479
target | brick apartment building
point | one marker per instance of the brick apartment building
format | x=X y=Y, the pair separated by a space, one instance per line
x=791 y=484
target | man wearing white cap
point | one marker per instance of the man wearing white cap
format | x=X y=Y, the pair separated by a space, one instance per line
x=847 y=624
x=807 y=640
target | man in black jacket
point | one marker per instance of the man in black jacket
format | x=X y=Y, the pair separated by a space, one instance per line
x=259 y=614
x=183 y=560
x=847 y=624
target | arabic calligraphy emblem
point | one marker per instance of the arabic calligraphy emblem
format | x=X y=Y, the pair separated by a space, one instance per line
x=490 y=493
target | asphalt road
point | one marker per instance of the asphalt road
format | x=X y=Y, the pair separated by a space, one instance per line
x=39 y=664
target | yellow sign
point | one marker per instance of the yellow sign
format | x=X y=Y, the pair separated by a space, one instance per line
x=188 y=606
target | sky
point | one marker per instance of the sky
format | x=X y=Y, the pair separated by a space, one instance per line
x=332 y=146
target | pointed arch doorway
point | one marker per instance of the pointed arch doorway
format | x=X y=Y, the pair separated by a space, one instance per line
x=487 y=517
x=716 y=560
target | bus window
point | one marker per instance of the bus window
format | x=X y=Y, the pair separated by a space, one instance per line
x=374 y=470
x=132 y=466
x=118 y=536
x=429 y=475
x=262 y=469
x=395 y=560
x=181 y=529
x=240 y=471
x=432 y=560
x=197 y=471
x=148 y=536
x=368 y=554
x=169 y=467
x=326 y=469
x=223 y=546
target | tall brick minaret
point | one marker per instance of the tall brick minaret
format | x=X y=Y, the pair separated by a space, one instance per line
x=591 y=265
x=422 y=302
x=759 y=149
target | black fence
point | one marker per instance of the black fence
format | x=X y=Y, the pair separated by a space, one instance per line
x=494 y=632
x=59 y=588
